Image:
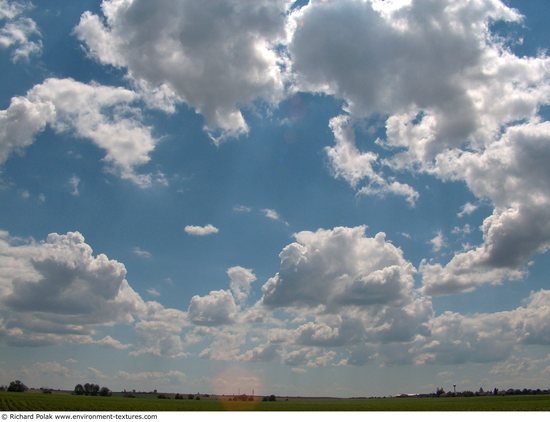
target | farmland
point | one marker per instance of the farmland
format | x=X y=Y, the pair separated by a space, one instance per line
x=31 y=401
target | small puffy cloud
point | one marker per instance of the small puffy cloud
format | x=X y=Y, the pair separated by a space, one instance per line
x=438 y=242
x=273 y=215
x=101 y=114
x=467 y=209
x=216 y=57
x=240 y=282
x=201 y=230
x=74 y=182
x=216 y=308
x=18 y=32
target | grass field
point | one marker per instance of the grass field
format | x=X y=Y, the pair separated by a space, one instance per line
x=67 y=402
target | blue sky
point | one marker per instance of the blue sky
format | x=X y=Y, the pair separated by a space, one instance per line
x=338 y=198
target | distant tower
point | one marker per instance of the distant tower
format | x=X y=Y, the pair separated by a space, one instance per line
x=454 y=388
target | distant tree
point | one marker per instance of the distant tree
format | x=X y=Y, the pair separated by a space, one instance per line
x=190 y=396
x=17 y=386
x=495 y=391
x=178 y=396
x=272 y=398
x=439 y=391
x=79 y=390
x=105 y=392
x=197 y=397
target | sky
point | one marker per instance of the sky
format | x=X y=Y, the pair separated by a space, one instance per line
x=344 y=198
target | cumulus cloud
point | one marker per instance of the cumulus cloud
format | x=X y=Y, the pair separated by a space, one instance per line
x=101 y=114
x=58 y=290
x=510 y=173
x=438 y=242
x=273 y=215
x=216 y=57
x=241 y=280
x=355 y=167
x=201 y=230
x=159 y=331
x=74 y=182
x=484 y=337
x=467 y=209
x=216 y=308
x=459 y=105
x=339 y=267
x=18 y=32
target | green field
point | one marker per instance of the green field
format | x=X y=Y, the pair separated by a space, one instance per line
x=67 y=402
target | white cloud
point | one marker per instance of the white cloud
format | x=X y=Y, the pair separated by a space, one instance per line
x=354 y=166
x=485 y=337
x=511 y=174
x=216 y=308
x=454 y=95
x=153 y=292
x=467 y=209
x=242 y=208
x=201 y=230
x=18 y=32
x=101 y=114
x=271 y=214
x=159 y=332
x=438 y=242
x=217 y=57
x=58 y=290
x=339 y=267
x=142 y=253
x=240 y=282
x=112 y=342
x=74 y=182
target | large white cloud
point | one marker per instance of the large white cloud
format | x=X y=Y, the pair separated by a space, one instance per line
x=485 y=337
x=512 y=174
x=58 y=289
x=216 y=56
x=339 y=267
x=458 y=104
x=102 y=114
